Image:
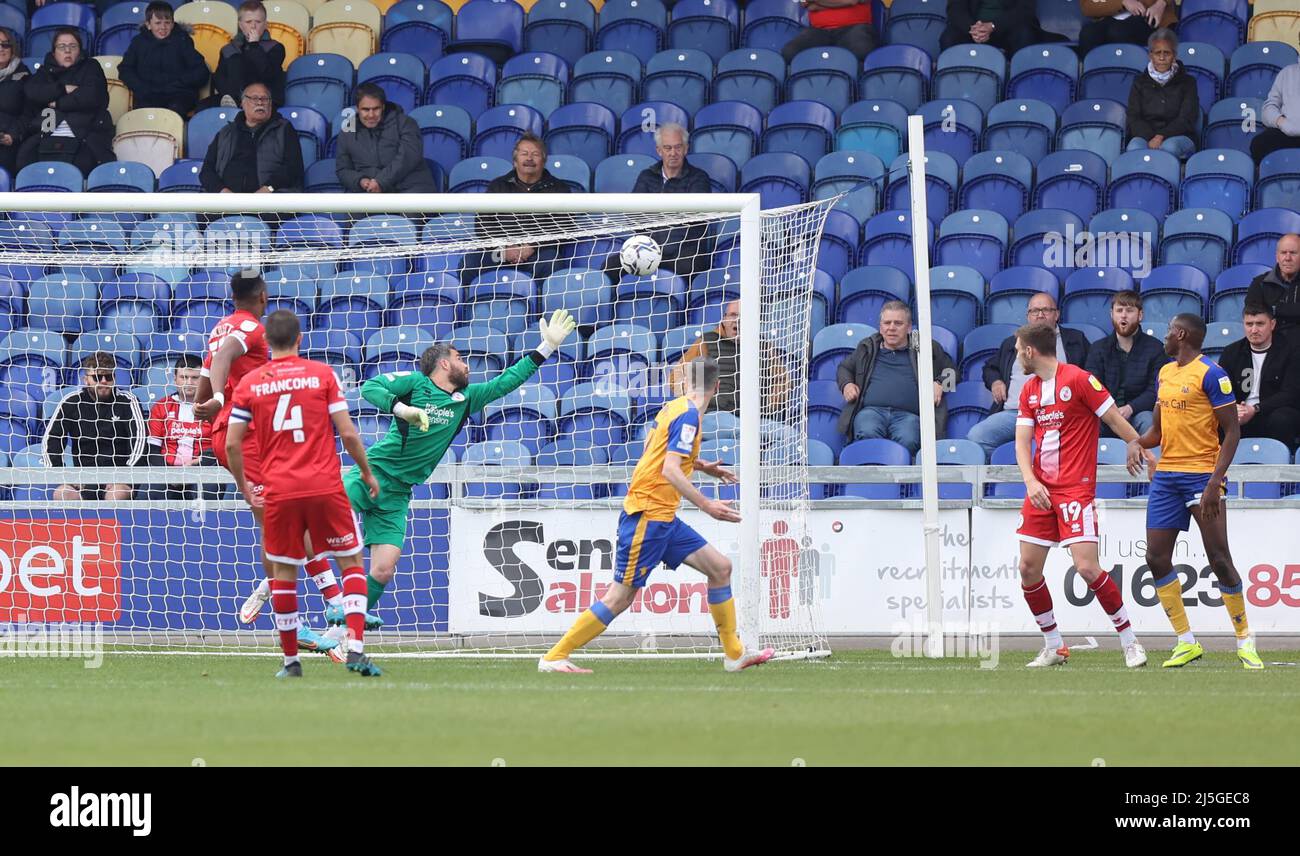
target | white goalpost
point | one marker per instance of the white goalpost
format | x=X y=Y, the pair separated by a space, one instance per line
x=513 y=534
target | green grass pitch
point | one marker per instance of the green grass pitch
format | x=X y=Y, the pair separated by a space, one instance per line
x=855 y=708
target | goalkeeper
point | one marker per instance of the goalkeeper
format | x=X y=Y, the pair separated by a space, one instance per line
x=436 y=402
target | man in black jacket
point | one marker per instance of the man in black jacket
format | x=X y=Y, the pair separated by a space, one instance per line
x=685 y=249
x=529 y=175
x=257 y=153
x=1127 y=362
x=1005 y=378
x=104 y=425
x=1279 y=289
x=878 y=381
x=1005 y=24
x=380 y=150
x=1265 y=372
x=161 y=66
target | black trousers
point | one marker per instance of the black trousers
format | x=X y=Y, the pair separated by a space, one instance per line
x=859 y=39
x=1133 y=30
x=29 y=153
x=1271 y=140
x=1007 y=39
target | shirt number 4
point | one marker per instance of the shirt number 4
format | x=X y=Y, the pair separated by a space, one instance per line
x=289 y=418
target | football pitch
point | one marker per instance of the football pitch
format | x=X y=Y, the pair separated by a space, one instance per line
x=860 y=707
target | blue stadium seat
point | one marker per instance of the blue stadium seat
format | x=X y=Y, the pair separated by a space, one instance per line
x=30 y=360
x=395 y=348
x=525 y=416
x=539 y=80
x=1221 y=23
x=897 y=72
x=917 y=22
x=1232 y=123
x=563 y=27
x=121 y=177
x=62 y=304
x=181 y=177
x=423 y=299
x=968 y=404
x=998 y=181
x=582 y=130
x=825 y=74
x=464 y=80
x=821 y=455
x=656 y=301
x=1254 y=66
x=1112 y=452
x=864 y=290
x=1221 y=179
x=838 y=248
x=755 y=76
x=941 y=173
x=1230 y=291
x=500 y=298
x=499 y=128
x=1207 y=64
x=472 y=175
x=1036 y=233
x=1139 y=237
x=1200 y=237
x=1088 y=292
x=617 y=173
x=124 y=348
x=635 y=136
x=877 y=127
x=723 y=175
x=771 y=23
x=13 y=304
x=1221 y=334
x=495 y=30
x=1260 y=450
x=595 y=414
x=825 y=401
x=1005 y=455
x=313 y=131
x=571 y=452
x=352 y=300
x=418 y=27
x=832 y=344
x=954 y=452
x=878 y=452
x=499 y=454
x=573 y=171
x=13 y=20
x=118 y=25
x=445 y=131
x=611 y=78
x=20 y=421
x=712 y=26
x=339 y=348
x=952 y=126
x=400 y=75
x=1258 y=232
x=1095 y=125
x=1279 y=180
x=823 y=300
x=976 y=238
x=309 y=230
x=1024 y=126
x=636 y=26
x=979 y=346
x=46 y=20
x=804 y=128
x=1109 y=71
x=780 y=178
x=677 y=342
x=971 y=72
x=100 y=232
x=1073 y=181
x=887 y=240
x=1147 y=180
x=320 y=81
x=1010 y=290
x=859 y=175
x=322 y=177
x=49 y=176
x=1046 y=73
x=1173 y=289
x=678 y=76
x=708 y=293
x=164 y=348
x=199 y=301
x=957 y=296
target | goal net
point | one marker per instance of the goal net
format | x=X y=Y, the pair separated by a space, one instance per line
x=115 y=513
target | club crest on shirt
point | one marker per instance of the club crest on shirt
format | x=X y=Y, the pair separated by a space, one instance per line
x=1186 y=390
x=1033 y=401
x=1225 y=385
x=458 y=396
x=1066 y=394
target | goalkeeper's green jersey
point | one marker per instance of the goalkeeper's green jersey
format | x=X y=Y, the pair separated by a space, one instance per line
x=407 y=455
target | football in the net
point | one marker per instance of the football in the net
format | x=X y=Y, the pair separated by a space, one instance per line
x=640 y=255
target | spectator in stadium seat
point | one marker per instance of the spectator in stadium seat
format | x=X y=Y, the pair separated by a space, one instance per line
x=723 y=345
x=878 y=381
x=1005 y=378
x=1123 y=22
x=1280 y=116
x=104 y=426
x=684 y=249
x=13 y=124
x=1264 y=368
x=1128 y=362
x=1164 y=111
x=161 y=66
x=1278 y=290
x=1008 y=25
x=251 y=57
x=838 y=23
x=380 y=150
x=178 y=438
x=529 y=175
x=67 y=108
x=256 y=153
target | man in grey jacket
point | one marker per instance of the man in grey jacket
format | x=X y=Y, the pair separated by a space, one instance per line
x=1280 y=116
x=380 y=149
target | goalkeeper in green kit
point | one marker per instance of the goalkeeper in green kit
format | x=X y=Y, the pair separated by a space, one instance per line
x=431 y=406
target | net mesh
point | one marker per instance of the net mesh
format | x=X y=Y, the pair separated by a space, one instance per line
x=113 y=495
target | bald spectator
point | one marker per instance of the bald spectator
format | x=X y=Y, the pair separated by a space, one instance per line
x=256 y=153
x=1278 y=290
x=723 y=345
x=1005 y=378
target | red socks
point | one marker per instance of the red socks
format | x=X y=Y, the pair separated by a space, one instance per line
x=284 y=600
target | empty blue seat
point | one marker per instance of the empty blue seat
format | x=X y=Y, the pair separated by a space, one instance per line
x=1088 y=292
x=1011 y=289
x=917 y=22
x=976 y=238
x=1260 y=450
x=875 y=452
x=1074 y=181
x=877 y=127
x=887 y=240
x=473 y=175
x=525 y=415
x=981 y=345
x=780 y=178
x=1221 y=179
x=755 y=76
x=832 y=344
x=421 y=28
x=636 y=26
x=1040 y=233
x=1254 y=66
x=309 y=230
x=638 y=121
x=771 y=23
x=1279 y=180
x=968 y=404
x=313 y=131
x=897 y=72
x=971 y=72
x=723 y=175
x=858 y=175
x=1200 y=237
x=500 y=298
x=120 y=177
x=445 y=131
x=400 y=75
x=864 y=290
x=804 y=128
x=838 y=248
x=656 y=301
x=539 y=80
x=952 y=126
x=941 y=173
x=1145 y=179
x=1124 y=237
x=422 y=299
x=399 y=346
x=583 y=130
x=570 y=452
x=181 y=177
x=729 y=128
x=606 y=77
x=1221 y=23
x=322 y=177
x=711 y=26
x=49 y=176
x=573 y=171
x=493 y=29
x=563 y=27
x=499 y=454
x=118 y=25
x=467 y=80
x=1220 y=334
x=499 y=128
x=1046 y=73
x=320 y=81
x=825 y=74
x=825 y=401
x=956 y=297
x=48 y=19
x=1109 y=70
x=62 y=304
x=1230 y=288
x=1095 y=125
x=1173 y=289
x=998 y=181
x=1207 y=65
x=1232 y=123
x=1024 y=126
x=1258 y=232
x=678 y=76
x=93 y=232
x=617 y=173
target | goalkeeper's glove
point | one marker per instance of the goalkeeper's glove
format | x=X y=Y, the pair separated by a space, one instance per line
x=555 y=331
x=413 y=415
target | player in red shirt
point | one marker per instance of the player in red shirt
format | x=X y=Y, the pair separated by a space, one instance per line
x=288 y=407
x=237 y=346
x=1059 y=409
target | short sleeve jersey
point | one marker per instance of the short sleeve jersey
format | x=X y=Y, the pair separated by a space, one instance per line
x=1189 y=431
x=244 y=327
x=676 y=429
x=1064 y=413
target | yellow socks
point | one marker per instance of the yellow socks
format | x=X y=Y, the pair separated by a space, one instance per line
x=589 y=625
x=1170 y=589
x=1235 y=602
x=723 y=609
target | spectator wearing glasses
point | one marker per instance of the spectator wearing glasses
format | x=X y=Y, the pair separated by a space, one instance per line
x=1005 y=377
x=161 y=66
x=256 y=153
x=104 y=427
x=67 y=108
x=13 y=73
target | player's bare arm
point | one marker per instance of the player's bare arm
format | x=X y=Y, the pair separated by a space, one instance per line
x=1211 y=497
x=352 y=442
x=715 y=508
x=1034 y=489
x=1138 y=456
x=211 y=402
x=1151 y=439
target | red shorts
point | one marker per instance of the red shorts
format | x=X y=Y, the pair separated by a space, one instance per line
x=252 y=461
x=1072 y=519
x=327 y=517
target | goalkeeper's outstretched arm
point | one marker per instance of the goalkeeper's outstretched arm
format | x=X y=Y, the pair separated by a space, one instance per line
x=388 y=391
x=554 y=332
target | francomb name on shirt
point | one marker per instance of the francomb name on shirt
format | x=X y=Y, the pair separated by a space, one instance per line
x=286 y=384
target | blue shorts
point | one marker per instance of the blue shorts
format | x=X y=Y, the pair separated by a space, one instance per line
x=1169 y=505
x=643 y=544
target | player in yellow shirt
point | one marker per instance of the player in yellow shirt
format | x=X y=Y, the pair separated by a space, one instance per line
x=1194 y=403
x=649 y=531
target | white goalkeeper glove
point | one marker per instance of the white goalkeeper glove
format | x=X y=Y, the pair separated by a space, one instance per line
x=412 y=415
x=555 y=331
